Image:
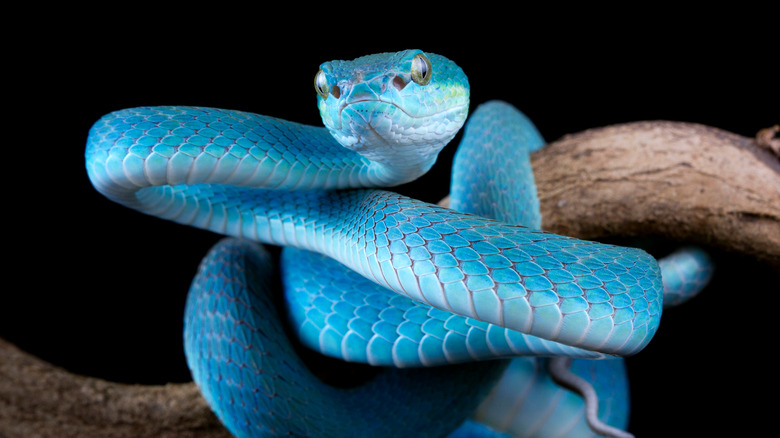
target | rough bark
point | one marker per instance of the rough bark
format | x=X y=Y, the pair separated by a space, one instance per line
x=686 y=182
x=681 y=181
x=39 y=400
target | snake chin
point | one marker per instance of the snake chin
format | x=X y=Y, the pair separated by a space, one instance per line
x=385 y=133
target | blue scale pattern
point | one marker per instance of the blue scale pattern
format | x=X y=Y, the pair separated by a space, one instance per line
x=614 y=291
x=550 y=294
x=141 y=147
x=685 y=273
x=243 y=362
x=342 y=314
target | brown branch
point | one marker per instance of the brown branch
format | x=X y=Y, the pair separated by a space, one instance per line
x=769 y=139
x=687 y=182
x=682 y=181
x=39 y=400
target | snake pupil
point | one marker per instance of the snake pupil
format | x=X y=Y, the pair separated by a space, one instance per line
x=421 y=69
x=321 y=84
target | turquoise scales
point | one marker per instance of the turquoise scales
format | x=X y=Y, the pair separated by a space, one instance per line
x=365 y=231
x=216 y=169
x=251 y=375
x=492 y=177
x=337 y=312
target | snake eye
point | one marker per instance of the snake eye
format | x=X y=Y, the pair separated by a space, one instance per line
x=321 y=84
x=421 y=69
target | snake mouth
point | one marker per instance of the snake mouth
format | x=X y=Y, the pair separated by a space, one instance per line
x=386 y=118
x=366 y=108
x=385 y=132
x=382 y=104
x=372 y=122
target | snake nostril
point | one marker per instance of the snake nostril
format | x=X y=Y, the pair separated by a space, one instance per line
x=399 y=83
x=335 y=91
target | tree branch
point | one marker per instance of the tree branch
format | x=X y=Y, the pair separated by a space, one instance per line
x=685 y=182
x=39 y=400
x=682 y=181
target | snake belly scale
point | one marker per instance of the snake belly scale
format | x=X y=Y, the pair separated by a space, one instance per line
x=262 y=179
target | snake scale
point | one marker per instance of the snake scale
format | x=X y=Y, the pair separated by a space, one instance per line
x=438 y=299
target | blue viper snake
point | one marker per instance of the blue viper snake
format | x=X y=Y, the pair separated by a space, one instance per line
x=438 y=298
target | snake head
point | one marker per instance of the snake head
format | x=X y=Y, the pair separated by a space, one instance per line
x=397 y=109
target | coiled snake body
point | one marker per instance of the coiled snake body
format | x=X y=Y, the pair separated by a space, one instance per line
x=379 y=278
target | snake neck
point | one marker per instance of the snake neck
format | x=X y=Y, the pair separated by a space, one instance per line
x=392 y=170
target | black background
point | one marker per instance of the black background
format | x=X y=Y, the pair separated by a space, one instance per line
x=99 y=289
